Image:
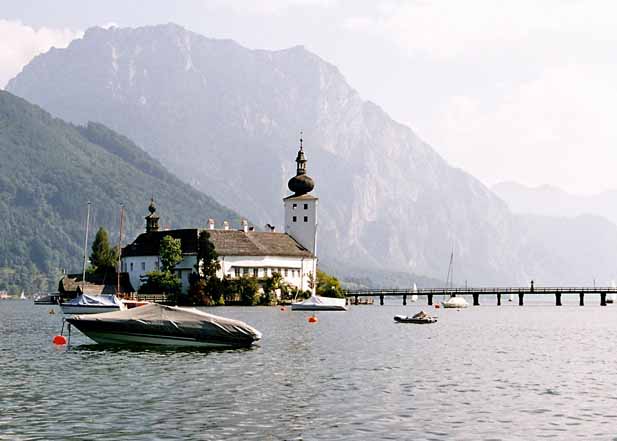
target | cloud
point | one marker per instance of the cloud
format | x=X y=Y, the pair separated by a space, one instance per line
x=20 y=43
x=448 y=29
x=556 y=128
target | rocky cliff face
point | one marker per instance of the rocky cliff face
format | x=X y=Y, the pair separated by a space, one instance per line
x=227 y=119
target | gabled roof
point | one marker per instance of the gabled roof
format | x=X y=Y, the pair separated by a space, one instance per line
x=95 y=285
x=148 y=244
x=256 y=243
x=226 y=243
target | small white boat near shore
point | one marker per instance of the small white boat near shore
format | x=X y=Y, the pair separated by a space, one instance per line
x=156 y=324
x=89 y=304
x=317 y=303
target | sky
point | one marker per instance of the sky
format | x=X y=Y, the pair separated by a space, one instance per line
x=506 y=90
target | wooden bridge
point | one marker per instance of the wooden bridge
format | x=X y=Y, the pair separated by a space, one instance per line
x=353 y=295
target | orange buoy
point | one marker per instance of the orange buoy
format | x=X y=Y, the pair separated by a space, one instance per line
x=59 y=340
x=282 y=308
x=312 y=319
x=437 y=306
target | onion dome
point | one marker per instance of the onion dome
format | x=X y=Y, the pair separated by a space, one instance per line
x=301 y=183
x=152 y=220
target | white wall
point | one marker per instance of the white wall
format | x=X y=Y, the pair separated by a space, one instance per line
x=152 y=263
x=303 y=232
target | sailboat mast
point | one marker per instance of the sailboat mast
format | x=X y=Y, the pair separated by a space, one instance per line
x=119 y=250
x=83 y=280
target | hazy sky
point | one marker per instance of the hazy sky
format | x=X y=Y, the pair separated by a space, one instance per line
x=507 y=90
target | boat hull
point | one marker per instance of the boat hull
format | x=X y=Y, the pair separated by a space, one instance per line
x=301 y=307
x=121 y=338
x=417 y=321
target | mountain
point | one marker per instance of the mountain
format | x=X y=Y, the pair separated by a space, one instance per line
x=226 y=119
x=50 y=169
x=552 y=201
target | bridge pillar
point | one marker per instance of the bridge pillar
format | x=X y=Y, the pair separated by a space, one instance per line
x=498 y=299
x=557 y=299
x=356 y=300
x=520 y=299
x=602 y=299
x=476 y=299
x=381 y=299
x=430 y=299
x=581 y=299
x=404 y=299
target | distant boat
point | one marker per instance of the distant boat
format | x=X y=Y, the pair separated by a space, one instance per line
x=4 y=295
x=414 y=296
x=453 y=301
x=420 y=318
x=511 y=298
x=22 y=296
x=317 y=303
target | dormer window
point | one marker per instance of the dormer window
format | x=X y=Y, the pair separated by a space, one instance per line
x=306 y=206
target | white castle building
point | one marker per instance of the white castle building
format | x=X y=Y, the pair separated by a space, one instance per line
x=242 y=252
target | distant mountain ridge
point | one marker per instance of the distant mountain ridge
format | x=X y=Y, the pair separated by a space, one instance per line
x=226 y=119
x=50 y=170
x=552 y=201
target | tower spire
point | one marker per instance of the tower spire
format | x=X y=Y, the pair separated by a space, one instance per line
x=301 y=183
x=152 y=220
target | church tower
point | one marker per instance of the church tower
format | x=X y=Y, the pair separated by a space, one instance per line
x=152 y=220
x=301 y=207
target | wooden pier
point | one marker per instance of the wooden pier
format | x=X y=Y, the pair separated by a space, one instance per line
x=353 y=295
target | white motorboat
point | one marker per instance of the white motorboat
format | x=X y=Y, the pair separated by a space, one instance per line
x=89 y=304
x=455 y=302
x=156 y=324
x=317 y=303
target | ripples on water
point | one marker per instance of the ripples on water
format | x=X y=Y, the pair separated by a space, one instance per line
x=485 y=373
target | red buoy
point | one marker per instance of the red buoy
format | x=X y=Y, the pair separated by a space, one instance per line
x=59 y=340
x=282 y=308
x=437 y=306
x=312 y=319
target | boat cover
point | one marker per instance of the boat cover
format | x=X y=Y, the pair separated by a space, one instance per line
x=323 y=302
x=170 y=322
x=103 y=300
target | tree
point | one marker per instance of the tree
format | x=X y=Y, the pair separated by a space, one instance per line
x=205 y=287
x=328 y=286
x=103 y=257
x=207 y=257
x=165 y=281
x=171 y=253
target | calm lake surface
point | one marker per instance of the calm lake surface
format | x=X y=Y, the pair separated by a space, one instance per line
x=485 y=373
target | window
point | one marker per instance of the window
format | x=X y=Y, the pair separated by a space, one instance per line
x=237 y=271
x=294 y=206
x=286 y=272
x=255 y=272
x=294 y=219
x=131 y=266
x=143 y=266
x=245 y=271
x=265 y=272
x=306 y=206
x=305 y=218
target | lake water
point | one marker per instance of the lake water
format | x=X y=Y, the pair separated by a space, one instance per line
x=485 y=373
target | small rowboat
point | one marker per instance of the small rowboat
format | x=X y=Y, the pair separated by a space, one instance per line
x=421 y=319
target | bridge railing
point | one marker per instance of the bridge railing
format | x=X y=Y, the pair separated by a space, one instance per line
x=484 y=290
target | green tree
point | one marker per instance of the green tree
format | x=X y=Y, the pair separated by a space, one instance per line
x=205 y=287
x=171 y=253
x=166 y=281
x=328 y=286
x=103 y=258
